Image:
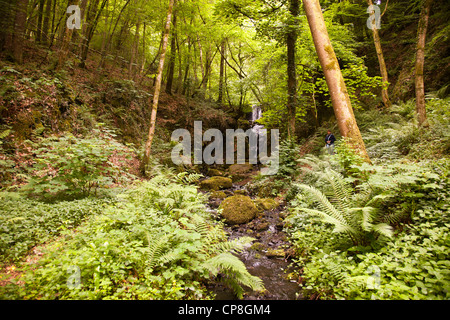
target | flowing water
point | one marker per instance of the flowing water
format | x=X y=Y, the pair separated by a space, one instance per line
x=267 y=257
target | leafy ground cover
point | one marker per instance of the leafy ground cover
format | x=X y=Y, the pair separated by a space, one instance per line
x=155 y=241
x=376 y=231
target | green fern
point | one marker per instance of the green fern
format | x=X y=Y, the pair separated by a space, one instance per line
x=234 y=273
x=185 y=177
x=359 y=220
x=159 y=251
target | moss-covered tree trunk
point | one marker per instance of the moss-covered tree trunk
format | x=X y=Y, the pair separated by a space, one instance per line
x=157 y=91
x=420 y=60
x=173 y=50
x=333 y=76
x=46 y=22
x=381 y=62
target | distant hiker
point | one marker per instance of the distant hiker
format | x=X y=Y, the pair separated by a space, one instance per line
x=329 y=140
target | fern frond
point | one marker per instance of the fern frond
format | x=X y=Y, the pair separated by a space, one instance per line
x=355 y=283
x=383 y=229
x=313 y=164
x=339 y=226
x=185 y=177
x=341 y=190
x=236 y=274
x=324 y=204
x=235 y=245
x=367 y=215
x=156 y=249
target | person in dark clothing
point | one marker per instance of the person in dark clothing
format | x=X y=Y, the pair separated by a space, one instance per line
x=329 y=142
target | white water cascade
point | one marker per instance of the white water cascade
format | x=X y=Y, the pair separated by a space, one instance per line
x=256 y=115
x=256 y=127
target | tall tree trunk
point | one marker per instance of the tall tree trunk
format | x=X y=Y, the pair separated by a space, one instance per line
x=66 y=40
x=109 y=17
x=333 y=76
x=144 y=52
x=46 y=22
x=8 y=14
x=222 y=71
x=155 y=102
x=135 y=52
x=202 y=64
x=186 y=72
x=94 y=14
x=180 y=68
x=111 y=34
x=208 y=62
x=381 y=62
x=19 y=30
x=39 y=21
x=173 y=49
x=291 y=40
x=420 y=60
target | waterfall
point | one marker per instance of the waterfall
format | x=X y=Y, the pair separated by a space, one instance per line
x=256 y=115
x=256 y=129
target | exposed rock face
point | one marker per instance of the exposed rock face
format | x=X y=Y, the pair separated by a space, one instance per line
x=238 y=209
x=216 y=183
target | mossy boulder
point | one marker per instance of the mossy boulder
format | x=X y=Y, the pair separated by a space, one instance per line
x=241 y=191
x=240 y=168
x=238 y=209
x=216 y=183
x=265 y=204
x=275 y=253
x=217 y=195
x=215 y=172
x=239 y=172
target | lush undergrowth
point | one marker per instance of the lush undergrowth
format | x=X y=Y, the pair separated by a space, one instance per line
x=155 y=241
x=377 y=231
x=26 y=223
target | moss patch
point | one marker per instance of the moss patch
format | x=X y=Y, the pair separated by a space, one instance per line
x=240 y=168
x=216 y=183
x=215 y=173
x=265 y=204
x=218 y=195
x=238 y=209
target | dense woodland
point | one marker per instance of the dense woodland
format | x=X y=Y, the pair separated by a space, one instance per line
x=93 y=207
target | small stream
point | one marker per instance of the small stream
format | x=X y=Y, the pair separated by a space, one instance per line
x=267 y=258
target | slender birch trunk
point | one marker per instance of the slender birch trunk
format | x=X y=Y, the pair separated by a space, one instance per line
x=420 y=60
x=381 y=62
x=151 y=132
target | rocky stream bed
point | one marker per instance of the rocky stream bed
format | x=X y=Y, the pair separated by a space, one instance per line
x=269 y=255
